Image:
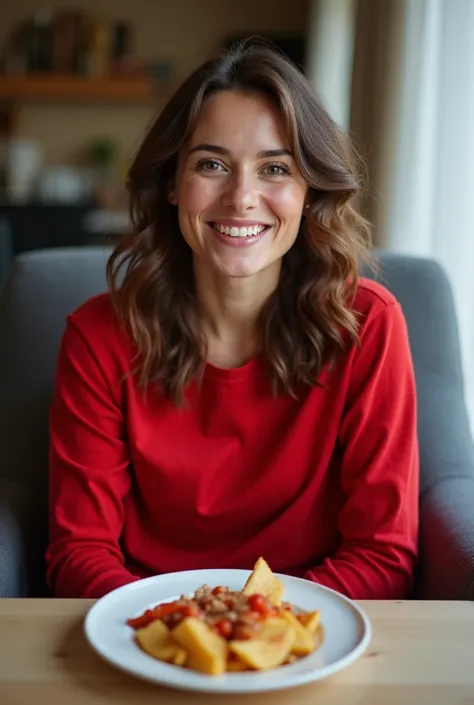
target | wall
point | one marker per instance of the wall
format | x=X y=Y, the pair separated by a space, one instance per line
x=185 y=31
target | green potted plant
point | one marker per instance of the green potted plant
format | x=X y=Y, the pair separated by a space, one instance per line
x=102 y=155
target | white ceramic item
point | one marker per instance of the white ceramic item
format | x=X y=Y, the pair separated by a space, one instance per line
x=347 y=632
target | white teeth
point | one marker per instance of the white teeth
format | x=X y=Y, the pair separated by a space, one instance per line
x=238 y=232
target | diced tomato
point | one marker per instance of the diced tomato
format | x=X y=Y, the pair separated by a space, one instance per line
x=255 y=616
x=190 y=610
x=258 y=603
x=160 y=611
x=219 y=590
x=142 y=621
x=167 y=608
x=225 y=628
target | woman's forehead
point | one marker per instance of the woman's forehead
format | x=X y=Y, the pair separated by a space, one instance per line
x=240 y=122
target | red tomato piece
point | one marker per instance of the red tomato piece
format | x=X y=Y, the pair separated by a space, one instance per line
x=259 y=604
x=225 y=628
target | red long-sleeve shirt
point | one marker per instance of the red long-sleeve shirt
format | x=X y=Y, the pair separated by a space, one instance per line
x=324 y=487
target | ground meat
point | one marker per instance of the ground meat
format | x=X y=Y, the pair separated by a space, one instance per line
x=202 y=593
x=229 y=613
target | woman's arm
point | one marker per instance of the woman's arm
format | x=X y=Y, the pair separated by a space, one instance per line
x=380 y=467
x=89 y=476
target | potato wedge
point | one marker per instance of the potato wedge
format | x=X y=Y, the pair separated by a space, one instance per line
x=260 y=581
x=180 y=658
x=270 y=649
x=310 y=620
x=276 y=592
x=207 y=651
x=155 y=639
x=263 y=582
x=304 y=642
x=235 y=665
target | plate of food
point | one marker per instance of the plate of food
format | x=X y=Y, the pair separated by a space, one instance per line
x=227 y=631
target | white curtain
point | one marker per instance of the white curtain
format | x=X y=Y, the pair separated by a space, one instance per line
x=429 y=194
x=331 y=29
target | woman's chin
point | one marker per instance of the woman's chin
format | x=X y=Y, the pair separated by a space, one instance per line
x=215 y=265
x=240 y=270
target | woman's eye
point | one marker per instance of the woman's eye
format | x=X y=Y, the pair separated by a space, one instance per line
x=209 y=165
x=277 y=169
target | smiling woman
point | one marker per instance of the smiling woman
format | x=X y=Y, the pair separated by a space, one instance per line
x=244 y=143
x=240 y=391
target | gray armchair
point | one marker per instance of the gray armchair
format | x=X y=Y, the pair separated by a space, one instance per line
x=44 y=286
x=446 y=568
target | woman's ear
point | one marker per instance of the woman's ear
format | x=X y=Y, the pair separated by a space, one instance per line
x=171 y=193
x=172 y=197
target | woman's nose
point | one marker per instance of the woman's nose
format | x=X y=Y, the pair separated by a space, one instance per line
x=241 y=193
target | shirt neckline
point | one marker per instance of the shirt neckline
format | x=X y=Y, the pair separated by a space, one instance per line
x=232 y=374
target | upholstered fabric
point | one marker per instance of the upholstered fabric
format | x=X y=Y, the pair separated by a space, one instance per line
x=41 y=288
x=446 y=569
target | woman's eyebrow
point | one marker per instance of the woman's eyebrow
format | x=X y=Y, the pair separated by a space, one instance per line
x=217 y=149
x=274 y=153
x=210 y=148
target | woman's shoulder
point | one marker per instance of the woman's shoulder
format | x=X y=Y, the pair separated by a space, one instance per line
x=372 y=298
x=97 y=323
x=95 y=312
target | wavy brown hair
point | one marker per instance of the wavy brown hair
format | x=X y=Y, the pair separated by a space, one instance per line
x=308 y=320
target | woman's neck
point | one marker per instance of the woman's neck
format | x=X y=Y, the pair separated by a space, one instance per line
x=230 y=310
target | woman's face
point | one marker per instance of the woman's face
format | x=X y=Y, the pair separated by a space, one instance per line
x=239 y=192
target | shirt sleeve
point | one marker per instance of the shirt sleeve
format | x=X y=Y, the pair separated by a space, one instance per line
x=378 y=523
x=89 y=476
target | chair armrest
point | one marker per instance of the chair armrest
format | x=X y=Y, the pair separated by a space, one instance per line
x=14 y=517
x=447 y=540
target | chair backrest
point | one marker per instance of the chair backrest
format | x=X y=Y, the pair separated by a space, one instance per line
x=424 y=292
x=6 y=248
x=41 y=288
x=44 y=286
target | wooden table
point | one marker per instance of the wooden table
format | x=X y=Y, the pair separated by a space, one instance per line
x=421 y=652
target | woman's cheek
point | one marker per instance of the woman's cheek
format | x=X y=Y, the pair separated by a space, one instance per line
x=286 y=199
x=197 y=192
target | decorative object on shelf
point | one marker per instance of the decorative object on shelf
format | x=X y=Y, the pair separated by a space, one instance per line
x=102 y=155
x=124 y=62
x=24 y=159
x=71 y=42
x=64 y=185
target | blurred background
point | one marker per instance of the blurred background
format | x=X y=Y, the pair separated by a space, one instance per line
x=80 y=81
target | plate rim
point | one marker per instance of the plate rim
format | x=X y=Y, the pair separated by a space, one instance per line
x=213 y=685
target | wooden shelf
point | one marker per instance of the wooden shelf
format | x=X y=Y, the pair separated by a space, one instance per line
x=44 y=88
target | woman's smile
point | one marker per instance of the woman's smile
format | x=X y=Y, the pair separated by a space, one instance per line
x=240 y=233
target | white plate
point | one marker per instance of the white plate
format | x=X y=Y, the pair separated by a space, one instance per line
x=347 y=632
